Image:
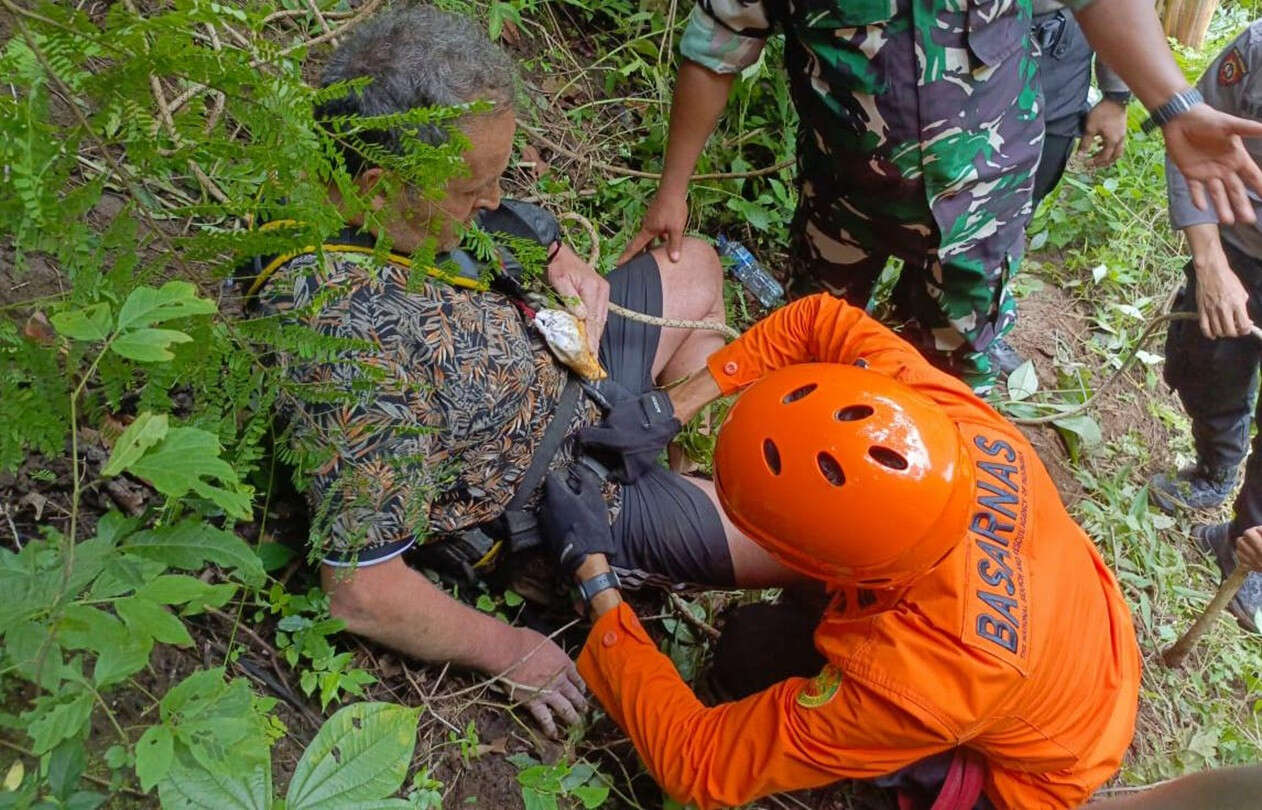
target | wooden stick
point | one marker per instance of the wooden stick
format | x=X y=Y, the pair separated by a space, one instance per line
x=1174 y=655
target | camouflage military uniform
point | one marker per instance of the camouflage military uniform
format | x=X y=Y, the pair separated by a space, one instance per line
x=919 y=137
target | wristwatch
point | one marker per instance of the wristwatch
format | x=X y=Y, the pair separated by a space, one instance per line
x=588 y=588
x=1181 y=103
x=1122 y=97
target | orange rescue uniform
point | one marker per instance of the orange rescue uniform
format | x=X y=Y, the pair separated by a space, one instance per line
x=1017 y=645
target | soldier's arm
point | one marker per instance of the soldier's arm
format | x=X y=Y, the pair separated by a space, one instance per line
x=700 y=96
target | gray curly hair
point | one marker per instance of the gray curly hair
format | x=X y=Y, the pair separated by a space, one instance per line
x=416 y=56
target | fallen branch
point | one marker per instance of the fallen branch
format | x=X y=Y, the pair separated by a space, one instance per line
x=681 y=607
x=624 y=171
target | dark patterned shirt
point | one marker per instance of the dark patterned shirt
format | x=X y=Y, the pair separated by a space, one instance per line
x=450 y=396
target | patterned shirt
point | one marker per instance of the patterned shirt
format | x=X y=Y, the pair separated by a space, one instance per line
x=449 y=393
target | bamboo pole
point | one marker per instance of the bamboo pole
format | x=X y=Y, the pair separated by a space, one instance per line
x=1188 y=20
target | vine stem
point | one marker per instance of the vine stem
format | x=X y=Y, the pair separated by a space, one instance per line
x=96 y=780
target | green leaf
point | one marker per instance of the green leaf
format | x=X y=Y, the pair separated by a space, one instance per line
x=154 y=754
x=1023 y=382
x=178 y=589
x=90 y=323
x=536 y=800
x=485 y=604
x=54 y=720
x=120 y=661
x=148 y=617
x=591 y=796
x=33 y=655
x=65 y=766
x=147 y=430
x=512 y=598
x=189 y=545
x=359 y=757
x=274 y=555
x=189 y=786
x=182 y=462
x=175 y=299
x=148 y=345
x=1083 y=426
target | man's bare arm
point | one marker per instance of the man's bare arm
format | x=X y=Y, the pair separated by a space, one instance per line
x=395 y=605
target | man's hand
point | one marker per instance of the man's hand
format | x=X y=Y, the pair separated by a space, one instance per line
x=585 y=292
x=1107 y=122
x=543 y=678
x=1222 y=301
x=575 y=518
x=1205 y=144
x=1249 y=549
x=633 y=434
x=666 y=218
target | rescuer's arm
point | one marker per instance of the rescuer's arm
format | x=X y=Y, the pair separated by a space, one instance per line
x=798 y=734
x=824 y=329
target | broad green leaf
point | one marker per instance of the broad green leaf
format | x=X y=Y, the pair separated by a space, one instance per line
x=175 y=299
x=178 y=589
x=190 y=545
x=1082 y=425
x=359 y=757
x=147 y=430
x=537 y=800
x=120 y=661
x=183 y=462
x=87 y=628
x=1023 y=381
x=85 y=800
x=154 y=754
x=89 y=323
x=65 y=766
x=148 y=345
x=591 y=796
x=148 y=617
x=33 y=655
x=54 y=720
x=189 y=786
x=201 y=685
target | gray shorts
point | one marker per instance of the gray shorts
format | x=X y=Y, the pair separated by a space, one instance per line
x=668 y=531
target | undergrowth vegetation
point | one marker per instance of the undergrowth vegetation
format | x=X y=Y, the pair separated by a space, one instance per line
x=158 y=641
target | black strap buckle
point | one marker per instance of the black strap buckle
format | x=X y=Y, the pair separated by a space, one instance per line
x=520 y=528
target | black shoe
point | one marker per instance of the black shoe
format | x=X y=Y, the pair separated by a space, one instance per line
x=1003 y=357
x=1195 y=487
x=1246 y=606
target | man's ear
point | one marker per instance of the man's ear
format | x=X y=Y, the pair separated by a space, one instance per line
x=370 y=188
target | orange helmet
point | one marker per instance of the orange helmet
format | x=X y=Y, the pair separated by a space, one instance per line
x=844 y=474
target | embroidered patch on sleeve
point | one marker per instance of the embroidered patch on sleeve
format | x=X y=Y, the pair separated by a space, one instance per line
x=1232 y=69
x=820 y=689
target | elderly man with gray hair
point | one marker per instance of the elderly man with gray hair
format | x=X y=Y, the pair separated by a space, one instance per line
x=437 y=457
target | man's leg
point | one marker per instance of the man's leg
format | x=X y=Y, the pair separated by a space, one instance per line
x=1056 y=151
x=959 y=307
x=1216 y=381
x=828 y=258
x=692 y=290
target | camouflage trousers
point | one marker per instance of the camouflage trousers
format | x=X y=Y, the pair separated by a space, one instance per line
x=951 y=310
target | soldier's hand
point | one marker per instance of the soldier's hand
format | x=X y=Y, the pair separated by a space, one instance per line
x=1107 y=123
x=1249 y=549
x=665 y=220
x=1221 y=299
x=1206 y=146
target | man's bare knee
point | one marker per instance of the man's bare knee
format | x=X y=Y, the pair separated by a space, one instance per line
x=693 y=284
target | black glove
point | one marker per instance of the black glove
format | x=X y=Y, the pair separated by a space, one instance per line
x=633 y=434
x=574 y=518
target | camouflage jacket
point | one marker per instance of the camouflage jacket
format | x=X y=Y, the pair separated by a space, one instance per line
x=911 y=111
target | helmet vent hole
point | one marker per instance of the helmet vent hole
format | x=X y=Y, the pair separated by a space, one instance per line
x=831 y=469
x=853 y=413
x=771 y=454
x=888 y=458
x=798 y=393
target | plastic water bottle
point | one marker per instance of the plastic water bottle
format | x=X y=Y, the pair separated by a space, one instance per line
x=750 y=273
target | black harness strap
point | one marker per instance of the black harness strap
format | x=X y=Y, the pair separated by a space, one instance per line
x=518 y=525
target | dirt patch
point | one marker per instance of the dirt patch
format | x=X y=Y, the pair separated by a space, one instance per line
x=1054 y=331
